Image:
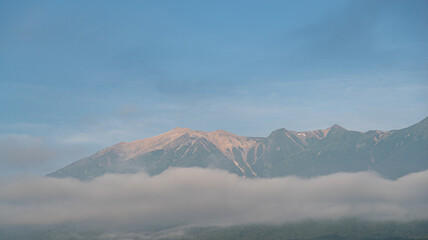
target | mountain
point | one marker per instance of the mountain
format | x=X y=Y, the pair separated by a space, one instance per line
x=391 y=153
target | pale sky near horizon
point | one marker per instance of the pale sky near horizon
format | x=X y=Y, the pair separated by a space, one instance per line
x=78 y=76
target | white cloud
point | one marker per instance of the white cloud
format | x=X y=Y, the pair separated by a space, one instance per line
x=192 y=196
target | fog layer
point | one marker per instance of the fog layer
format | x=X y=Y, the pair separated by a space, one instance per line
x=202 y=197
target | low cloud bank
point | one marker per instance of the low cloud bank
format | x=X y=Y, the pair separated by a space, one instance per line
x=202 y=197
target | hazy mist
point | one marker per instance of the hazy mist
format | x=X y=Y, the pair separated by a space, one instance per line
x=205 y=197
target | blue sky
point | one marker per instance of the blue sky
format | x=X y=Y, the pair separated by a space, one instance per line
x=77 y=76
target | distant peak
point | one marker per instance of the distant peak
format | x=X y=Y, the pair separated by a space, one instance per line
x=222 y=132
x=181 y=129
x=178 y=131
x=337 y=127
x=280 y=132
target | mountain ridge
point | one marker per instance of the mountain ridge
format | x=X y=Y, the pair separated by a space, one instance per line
x=283 y=152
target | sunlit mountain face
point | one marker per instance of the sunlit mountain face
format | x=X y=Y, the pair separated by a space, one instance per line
x=312 y=153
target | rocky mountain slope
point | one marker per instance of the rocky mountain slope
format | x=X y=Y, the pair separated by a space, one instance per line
x=391 y=153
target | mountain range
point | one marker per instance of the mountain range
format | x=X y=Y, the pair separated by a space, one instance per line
x=392 y=153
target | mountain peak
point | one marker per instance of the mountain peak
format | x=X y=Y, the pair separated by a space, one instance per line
x=223 y=132
x=284 y=152
x=181 y=129
x=337 y=127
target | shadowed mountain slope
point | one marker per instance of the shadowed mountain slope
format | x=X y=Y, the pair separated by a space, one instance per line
x=391 y=153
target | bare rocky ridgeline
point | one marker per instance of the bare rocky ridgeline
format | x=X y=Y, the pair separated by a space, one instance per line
x=311 y=153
